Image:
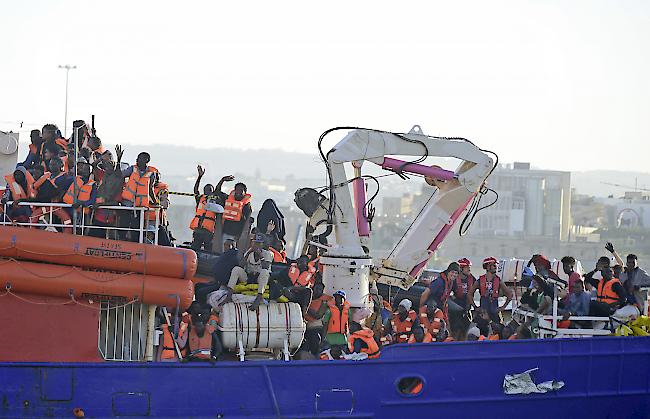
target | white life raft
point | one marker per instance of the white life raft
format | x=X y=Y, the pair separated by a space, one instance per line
x=273 y=326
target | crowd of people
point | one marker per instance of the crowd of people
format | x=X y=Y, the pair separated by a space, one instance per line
x=81 y=173
x=447 y=310
x=253 y=267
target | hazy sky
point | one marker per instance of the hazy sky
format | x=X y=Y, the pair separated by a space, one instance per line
x=563 y=84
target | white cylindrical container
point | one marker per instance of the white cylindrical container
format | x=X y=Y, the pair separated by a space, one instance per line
x=350 y=275
x=266 y=328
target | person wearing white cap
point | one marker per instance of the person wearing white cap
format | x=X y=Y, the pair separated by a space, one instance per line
x=402 y=322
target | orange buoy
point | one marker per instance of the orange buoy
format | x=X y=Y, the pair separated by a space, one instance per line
x=92 y=252
x=82 y=283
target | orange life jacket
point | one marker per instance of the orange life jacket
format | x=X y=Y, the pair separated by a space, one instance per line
x=366 y=335
x=495 y=286
x=316 y=304
x=83 y=191
x=427 y=338
x=301 y=279
x=233 y=209
x=169 y=349
x=200 y=346
x=278 y=256
x=203 y=218
x=402 y=328
x=136 y=189
x=338 y=321
x=17 y=191
x=432 y=326
x=157 y=191
x=605 y=292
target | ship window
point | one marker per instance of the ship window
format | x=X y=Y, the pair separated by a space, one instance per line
x=410 y=386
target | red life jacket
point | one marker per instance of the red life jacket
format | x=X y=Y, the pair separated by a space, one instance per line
x=495 y=287
x=366 y=335
x=448 y=288
x=233 y=209
x=338 y=321
x=402 y=328
x=301 y=279
x=462 y=288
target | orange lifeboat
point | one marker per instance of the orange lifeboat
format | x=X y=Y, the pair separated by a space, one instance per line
x=91 y=252
x=64 y=281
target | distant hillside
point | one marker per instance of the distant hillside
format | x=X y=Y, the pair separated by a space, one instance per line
x=182 y=161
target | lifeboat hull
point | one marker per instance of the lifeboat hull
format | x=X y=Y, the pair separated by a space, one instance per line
x=92 y=252
x=64 y=281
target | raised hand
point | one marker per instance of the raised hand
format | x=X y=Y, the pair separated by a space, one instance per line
x=119 y=152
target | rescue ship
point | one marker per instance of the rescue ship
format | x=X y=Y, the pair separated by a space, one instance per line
x=79 y=321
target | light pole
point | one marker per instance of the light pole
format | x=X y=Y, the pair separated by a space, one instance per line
x=67 y=68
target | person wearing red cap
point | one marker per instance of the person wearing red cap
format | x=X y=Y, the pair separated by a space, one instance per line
x=463 y=283
x=490 y=287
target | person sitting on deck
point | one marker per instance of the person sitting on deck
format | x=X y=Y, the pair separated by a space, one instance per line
x=20 y=188
x=420 y=335
x=296 y=281
x=432 y=319
x=361 y=340
x=255 y=266
x=403 y=321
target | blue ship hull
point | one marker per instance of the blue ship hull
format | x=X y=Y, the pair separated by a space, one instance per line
x=604 y=378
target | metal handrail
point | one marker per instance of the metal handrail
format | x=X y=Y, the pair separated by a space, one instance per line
x=82 y=225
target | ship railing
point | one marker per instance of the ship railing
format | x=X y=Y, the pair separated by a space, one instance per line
x=82 y=221
x=523 y=314
x=122 y=334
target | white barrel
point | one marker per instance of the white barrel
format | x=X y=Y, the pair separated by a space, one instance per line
x=266 y=328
